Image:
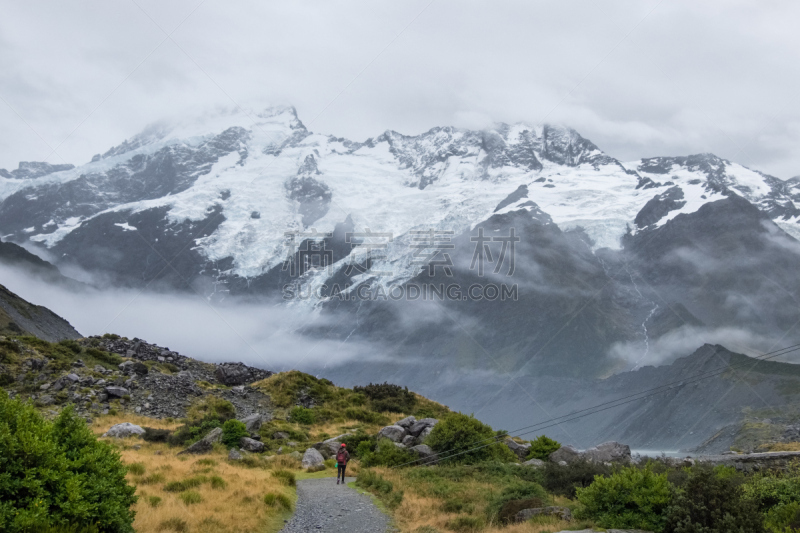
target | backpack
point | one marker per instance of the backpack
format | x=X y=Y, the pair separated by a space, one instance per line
x=341 y=456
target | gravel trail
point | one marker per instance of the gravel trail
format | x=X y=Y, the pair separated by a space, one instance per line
x=322 y=505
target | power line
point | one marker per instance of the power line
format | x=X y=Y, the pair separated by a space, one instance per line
x=611 y=404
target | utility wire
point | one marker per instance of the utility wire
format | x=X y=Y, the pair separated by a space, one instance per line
x=611 y=404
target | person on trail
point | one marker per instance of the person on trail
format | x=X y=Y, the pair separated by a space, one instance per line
x=342 y=456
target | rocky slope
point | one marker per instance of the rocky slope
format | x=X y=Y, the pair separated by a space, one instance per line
x=18 y=316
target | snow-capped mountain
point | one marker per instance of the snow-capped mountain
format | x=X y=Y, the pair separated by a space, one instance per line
x=221 y=192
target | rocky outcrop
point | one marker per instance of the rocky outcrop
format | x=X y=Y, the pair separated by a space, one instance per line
x=520 y=450
x=253 y=422
x=124 y=430
x=419 y=426
x=239 y=374
x=393 y=433
x=206 y=444
x=251 y=445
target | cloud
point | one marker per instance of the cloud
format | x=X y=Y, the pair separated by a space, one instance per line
x=259 y=335
x=685 y=340
x=637 y=78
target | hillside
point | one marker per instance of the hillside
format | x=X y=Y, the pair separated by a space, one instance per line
x=18 y=317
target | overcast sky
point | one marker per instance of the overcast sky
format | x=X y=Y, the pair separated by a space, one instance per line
x=639 y=78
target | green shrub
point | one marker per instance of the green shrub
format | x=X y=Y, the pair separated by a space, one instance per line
x=465 y=439
x=500 y=507
x=190 y=433
x=301 y=415
x=210 y=407
x=631 y=498
x=217 y=482
x=111 y=359
x=71 y=345
x=388 y=397
x=186 y=484
x=564 y=480
x=364 y=415
x=156 y=435
x=542 y=447
x=232 y=432
x=354 y=441
x=276 y=499
x=6 y=380
x=58 y=474
x=154 y=501
x=384 y=489
x=778 y=497
x=136 y=469
x=152 y=479
x=190 y=497
x=174 y=524
x=713 y=501
x=465 y=524
x=285 y=477
x=387 y=454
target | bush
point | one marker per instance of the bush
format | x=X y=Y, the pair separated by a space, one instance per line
x=301 y=415
x=232 y=432
x=154 y=501
x=152 y=479
x=210 y=408
x=190 y=497
x=386 y=454
x=465 y=524
x=136 y=469
x=631 y=498
x=713 y=501
x=104 y=357
x=58 y=473
x=285 y=477
x=276 y=499
x=564 y=480
x=156 y=435
x=188 y=434
x=388 y=397
x=778 y=496
x=363 y=415
x=186 y=484
x=6 y=380
x=465 y=439
x=542 y=447
x=503 y=507
x=384 y=489
x=354 y=441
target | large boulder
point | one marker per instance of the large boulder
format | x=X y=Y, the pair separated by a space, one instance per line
x=520 y=450
x=568 y=454
x=609 y=452
x=393 y=433
x=206 y=444
x=333 y=444
x=409 y=441
x=425 y=453
x=312 y=458
x=251 y=445
x=421 y=425
x=424 y=435
x=536 y=463
x=406 y=422
x=235 y=455
x=123 y=430
x=239 y=374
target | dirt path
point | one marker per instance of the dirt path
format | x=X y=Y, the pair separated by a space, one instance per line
x=322 y=505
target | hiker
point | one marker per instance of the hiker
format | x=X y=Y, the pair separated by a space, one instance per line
x=342 y=456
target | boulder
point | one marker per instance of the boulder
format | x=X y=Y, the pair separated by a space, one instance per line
x=205 y=444
x=609 y=452
x=234 y=455
x=73 y=377
x=425 y=433
x=561 y=512
x=123 y=430
x=251 y=445
x=393 y=433
x=333 y=444
x=116 y=392
x=536 y=463
x=409 y=440
x=46 y=400
x=280 y=435
x=420 y=425
x=406 y=422
x=254 y=421
x=567 y=454
x=425 y=453
x=520 y=450
x=312 y=458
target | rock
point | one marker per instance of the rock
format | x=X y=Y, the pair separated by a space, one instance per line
x=561 y=512
x=420 y=425
x=45 y=386
x=205 y=444
x=234 y=455
x=406 y=422
x=520 y=450
x=425 y=453
x=536 y=463
x=609 y=452
x=280 y=435
x=239 y=374
x=296 y=455
x=73 y=377
x=254 y=421
x=409 y=440
x=425 y=433
x=393 y=433
x=280 y=450
x=399 y=445
x=46 y=400
x=126 y=366
x=99 y=368
x=333 y=444
x=312 y=458
x=291 y=443
x=123 y=430
x=567 y=454
x=116 y=392
x=251 y=445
